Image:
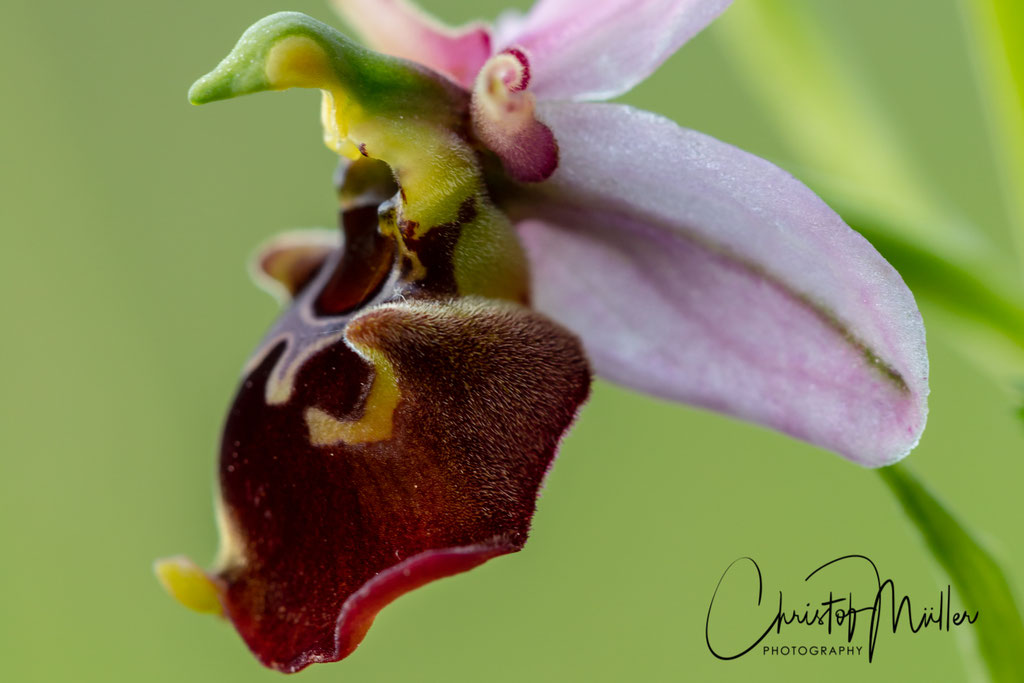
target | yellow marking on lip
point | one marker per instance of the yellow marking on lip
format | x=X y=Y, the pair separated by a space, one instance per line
x=377 y=421
x=188 y=584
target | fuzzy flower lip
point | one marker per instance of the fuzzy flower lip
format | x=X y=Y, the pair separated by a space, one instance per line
x=691 y=270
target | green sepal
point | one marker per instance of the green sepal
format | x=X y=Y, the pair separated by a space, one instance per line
x=377 y=83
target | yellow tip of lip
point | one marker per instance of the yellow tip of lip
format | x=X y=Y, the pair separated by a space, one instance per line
x=188 y=584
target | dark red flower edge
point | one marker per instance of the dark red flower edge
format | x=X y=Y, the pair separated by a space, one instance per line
x=361 y=608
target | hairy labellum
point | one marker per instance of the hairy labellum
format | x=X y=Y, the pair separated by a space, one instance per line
x=387 y=433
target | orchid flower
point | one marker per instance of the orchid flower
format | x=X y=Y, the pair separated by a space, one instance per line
x=499 y=238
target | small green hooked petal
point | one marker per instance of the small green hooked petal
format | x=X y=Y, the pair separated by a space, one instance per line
x=231 y=78
x=290 y=49
x=244 y=70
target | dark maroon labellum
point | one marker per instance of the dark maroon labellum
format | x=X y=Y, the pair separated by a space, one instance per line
x=386 y=435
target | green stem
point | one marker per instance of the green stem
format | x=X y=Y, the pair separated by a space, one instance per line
x=979 y=579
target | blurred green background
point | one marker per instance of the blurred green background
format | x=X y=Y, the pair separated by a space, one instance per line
x=127 y=216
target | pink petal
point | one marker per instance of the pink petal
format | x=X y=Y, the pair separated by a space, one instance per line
x=701 y=273
x=597 y=49
x=399 y=28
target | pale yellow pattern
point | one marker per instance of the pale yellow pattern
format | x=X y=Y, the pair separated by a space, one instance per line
x=230 y=551
x=281 y=384
x=377 y=420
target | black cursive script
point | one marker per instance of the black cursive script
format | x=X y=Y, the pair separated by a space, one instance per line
x=842 y=613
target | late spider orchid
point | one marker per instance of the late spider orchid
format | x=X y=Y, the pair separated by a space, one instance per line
x=397 y=422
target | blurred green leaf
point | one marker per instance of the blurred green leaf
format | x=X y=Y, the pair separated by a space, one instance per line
x=998 y=42
x=979 y=579
x=822 y=106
